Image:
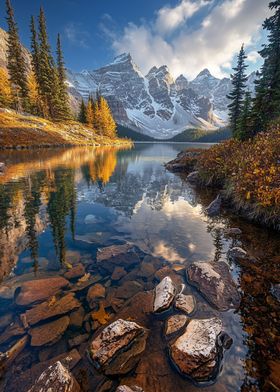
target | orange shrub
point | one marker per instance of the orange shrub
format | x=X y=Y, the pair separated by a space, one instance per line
x=249 y=172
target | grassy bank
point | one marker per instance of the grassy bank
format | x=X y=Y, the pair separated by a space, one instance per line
x=17 y=130
x=247 y=172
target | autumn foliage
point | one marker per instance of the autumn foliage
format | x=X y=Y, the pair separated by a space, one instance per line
x=249 y=173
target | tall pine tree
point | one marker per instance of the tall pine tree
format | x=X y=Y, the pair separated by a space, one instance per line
x=236 y=96
x=47 y=79
x=63 y=108
x=244 y=130
x=16 y=62
x=267 y=101
x=82 y=116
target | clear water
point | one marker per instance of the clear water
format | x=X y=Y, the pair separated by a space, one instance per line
x=57 y=207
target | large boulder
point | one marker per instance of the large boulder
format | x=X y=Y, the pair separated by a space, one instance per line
x=56 y=378
x=52 y=308
x=196 y=353
x=215 y=282
x=39 y=290
x=117 y=348
x=164 y=295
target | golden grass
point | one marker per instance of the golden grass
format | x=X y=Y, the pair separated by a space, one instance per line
x=23 y=131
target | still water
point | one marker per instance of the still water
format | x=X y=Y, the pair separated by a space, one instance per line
x=58 y=206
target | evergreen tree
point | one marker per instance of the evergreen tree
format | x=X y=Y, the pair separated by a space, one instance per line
x=63 y=104
x=16 y=62
x=82 y=116
x=48 y=84
x=236 y=96
x=267 y=101
x=35 y=50
x=244 y=130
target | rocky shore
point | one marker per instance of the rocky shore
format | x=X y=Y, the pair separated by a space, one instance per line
x=99 y=318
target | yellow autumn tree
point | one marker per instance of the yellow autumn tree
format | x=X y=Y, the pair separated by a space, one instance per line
x=35 y=101
x=108 y=125
x=6 y=97
x=90 y=113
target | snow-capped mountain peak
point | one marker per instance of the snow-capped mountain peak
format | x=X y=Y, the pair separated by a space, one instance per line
x=155 y=104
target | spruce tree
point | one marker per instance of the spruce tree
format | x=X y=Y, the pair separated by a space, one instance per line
x=82 y=116
x=63 y=108
x=16 y=62
x=267 y=101
x=244 y=130
x=35 y=50
x=236 y=96
x=47 y=80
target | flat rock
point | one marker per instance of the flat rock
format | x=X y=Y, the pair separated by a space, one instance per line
x=95 y=292
x=53 y=307
x=39 y=290
x=7 y=292
x=56 y=378
x=77 y=318
x=75 y=272
x=78 y=340
x=12 y=331
x=195 y=352
x=49 y=333
x=128 y=290
x=118 y=273
x=214 y=207
x=146 y=270
x=117 y=347
x=5 y=320
x=164 y=295
x=186 y=303
x=236 y=253
x=215 y=282
x=175 y=323
x=121 y=255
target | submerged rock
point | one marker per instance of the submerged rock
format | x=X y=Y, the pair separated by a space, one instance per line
x=2 y=167
x=214 y=207
x=48 y=309
x=118 y=273
x=117 y=348
x=175 y=323
x=164 y=295
x=215 y=282
x=56 y=378
x=128 y=290
x=196 y=352
x=186 y=303
x=12 y=331
x=117 y=255
x=75 y=272
x=95 y=292
x=49 y=333
x=39 y=290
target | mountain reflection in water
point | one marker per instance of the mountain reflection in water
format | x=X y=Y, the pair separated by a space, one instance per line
x=58 y=205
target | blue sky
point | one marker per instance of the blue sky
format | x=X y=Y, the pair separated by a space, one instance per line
x=187 y=35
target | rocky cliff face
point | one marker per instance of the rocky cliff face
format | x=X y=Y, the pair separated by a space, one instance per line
x=156 y=104
x=3 y=51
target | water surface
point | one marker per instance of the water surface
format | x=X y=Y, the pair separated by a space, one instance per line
x=58 y=206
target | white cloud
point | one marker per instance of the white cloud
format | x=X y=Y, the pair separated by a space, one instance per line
x=212 y=45
x=169 y=19
x=253 y=56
